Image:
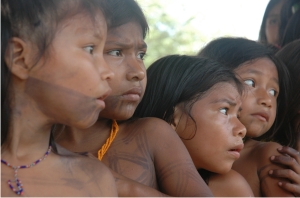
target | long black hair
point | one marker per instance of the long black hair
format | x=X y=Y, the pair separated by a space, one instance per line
x=290 y=55
x=178 y=78
x=233 y=52
x=262 y=32
x=289 y=28
x=124 y=11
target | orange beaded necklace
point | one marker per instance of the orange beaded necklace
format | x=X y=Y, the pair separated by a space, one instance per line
x=110 y=139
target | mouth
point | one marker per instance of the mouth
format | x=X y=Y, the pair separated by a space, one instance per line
x=235 y=151
x=101 y=99
x=262 y=116
x=105 y=95
x=133 y=94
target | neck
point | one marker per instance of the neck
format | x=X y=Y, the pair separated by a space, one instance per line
x=84 y=140
x=29 y=132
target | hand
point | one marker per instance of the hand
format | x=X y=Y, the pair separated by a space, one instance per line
x=291 y=159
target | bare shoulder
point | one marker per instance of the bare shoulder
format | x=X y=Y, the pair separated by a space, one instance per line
x=154 y=126
x=231 y=184
x=96 y=177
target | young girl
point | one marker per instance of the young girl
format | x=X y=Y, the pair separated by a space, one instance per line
x=290 y=55
x=141 y=149
x=266 y=82
x=52 y=63
x=201 y=100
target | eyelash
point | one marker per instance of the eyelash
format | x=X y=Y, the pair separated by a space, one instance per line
x=253 y=85
x=141 y=54
x=89 y=50
x=275 y=92
x=224 y=109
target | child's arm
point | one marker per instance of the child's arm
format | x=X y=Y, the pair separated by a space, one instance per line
x=231 y=184
x=130 y=188
x=175 y=170
x=269 y=185
x=291 y=159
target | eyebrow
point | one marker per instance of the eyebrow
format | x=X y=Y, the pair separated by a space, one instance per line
x=124 y=45
x=86 y=31
x=222 y=100
x=253 y=71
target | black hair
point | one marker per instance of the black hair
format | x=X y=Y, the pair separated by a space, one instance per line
x=124 y=11
x=289 y=25
x=234 y=52
x=35 y=21
x=290 y=55
x=292 y=29
x=178 y=78
x=182 y=79
x=262 y=32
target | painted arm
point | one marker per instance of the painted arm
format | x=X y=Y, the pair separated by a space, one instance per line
x=129 y=188
x=291 y=159
x=176 y=173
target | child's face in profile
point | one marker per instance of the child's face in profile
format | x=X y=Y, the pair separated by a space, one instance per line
x=218 y=133
x=73 y=73
x=124 y=51
x=259 y=101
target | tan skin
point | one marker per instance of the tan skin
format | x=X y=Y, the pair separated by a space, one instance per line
x=273 y=23
x=217 y=143
x=36 y=107
x=258 y=114
x=143 y=149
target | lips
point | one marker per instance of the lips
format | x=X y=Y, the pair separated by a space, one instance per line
x=237 y=148
x=235 y=151
x=133 y=94
x=104 y=95
x=263 y=116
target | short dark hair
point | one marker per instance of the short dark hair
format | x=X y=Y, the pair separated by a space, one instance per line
x=124 y=11
x=233 y=52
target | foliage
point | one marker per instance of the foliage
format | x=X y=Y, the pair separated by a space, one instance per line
x=168 y=35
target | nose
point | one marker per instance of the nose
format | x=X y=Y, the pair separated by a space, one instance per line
x=105 y=71
x=136 y=70
x=264 y=98
x=239 y=129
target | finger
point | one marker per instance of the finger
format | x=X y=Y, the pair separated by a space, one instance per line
x=286 y=174
x=288 y=161
x=291 y=152
x=293 y=188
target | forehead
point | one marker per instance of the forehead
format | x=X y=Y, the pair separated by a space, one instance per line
x=130 y=29
x=263 y=67
x=222 y=92
x=84 y=23
x=275 y=11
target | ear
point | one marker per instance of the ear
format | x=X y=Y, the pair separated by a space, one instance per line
x=176 y=117
x=18 y=57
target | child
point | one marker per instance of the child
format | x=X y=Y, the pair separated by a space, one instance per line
x=290 y=55
x=269 y=29
x=267 y=86
x=52 y=63
x=141 y=149
x=201 y=100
